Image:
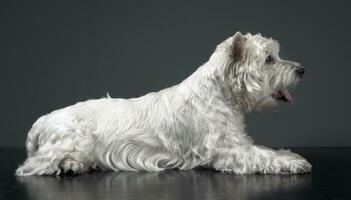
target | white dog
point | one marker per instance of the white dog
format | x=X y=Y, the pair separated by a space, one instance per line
x=197 y=123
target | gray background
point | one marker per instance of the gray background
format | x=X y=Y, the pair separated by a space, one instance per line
x=55 y=53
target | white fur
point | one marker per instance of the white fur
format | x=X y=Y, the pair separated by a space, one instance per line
x=197 y=123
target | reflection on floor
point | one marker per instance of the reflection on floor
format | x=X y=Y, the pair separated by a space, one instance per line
x=330 y=180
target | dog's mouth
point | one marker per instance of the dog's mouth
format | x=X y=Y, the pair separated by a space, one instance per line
x=283 y=95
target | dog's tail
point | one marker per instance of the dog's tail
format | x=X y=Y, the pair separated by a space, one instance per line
x=33 y=136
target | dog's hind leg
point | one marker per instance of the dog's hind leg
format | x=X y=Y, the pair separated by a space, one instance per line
x=58 y=144
x=56 y=161
x=40 y=165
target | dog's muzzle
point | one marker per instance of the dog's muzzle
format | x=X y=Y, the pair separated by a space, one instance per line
x=300 y=71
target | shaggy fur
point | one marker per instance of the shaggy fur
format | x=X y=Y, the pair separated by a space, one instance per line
x=197 y=123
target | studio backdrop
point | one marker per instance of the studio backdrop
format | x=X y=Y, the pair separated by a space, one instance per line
x=56 y=53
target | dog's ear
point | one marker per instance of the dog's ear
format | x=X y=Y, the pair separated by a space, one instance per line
x=238 y=46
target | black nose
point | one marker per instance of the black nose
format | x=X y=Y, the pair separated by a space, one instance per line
x=300 y=71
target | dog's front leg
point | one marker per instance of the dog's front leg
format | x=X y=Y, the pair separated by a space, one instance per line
x=249 y=159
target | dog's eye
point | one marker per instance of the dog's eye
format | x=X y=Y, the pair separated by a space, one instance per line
x=269 y=59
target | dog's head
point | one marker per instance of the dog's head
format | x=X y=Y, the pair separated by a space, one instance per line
x=256 y=75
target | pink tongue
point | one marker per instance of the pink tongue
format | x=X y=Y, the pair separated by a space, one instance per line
x=287 y=95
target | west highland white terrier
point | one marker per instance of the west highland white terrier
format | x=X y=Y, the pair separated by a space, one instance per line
x=197 y=123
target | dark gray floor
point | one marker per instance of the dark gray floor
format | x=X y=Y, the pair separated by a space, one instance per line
x=330 y=179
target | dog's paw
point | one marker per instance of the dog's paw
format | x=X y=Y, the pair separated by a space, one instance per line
x=299 y=167
x=292 y=163
x=71 y=167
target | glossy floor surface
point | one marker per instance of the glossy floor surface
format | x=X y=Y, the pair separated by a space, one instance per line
x=330 y=179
